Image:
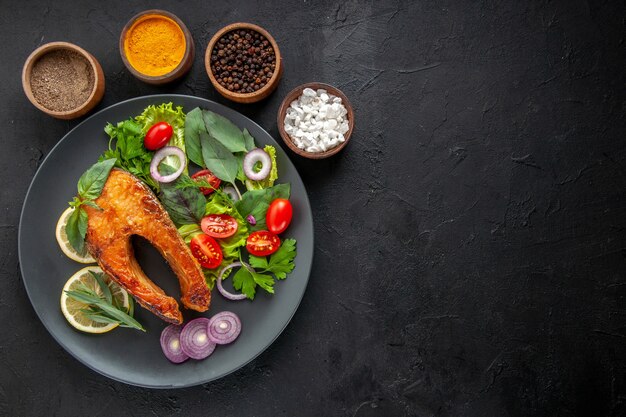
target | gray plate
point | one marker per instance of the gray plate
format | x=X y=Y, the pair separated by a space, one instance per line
x=128 y=355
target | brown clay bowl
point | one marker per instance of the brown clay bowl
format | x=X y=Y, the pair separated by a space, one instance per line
x=297 y=92
x=98 y=85
x=185 y=64
x=244 y=97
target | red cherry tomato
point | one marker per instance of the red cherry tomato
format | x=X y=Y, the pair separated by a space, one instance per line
x=158 y=135
x=219 y=225
x=207 y=175
x=206 y=250
x=262 y=243
x=279 y=215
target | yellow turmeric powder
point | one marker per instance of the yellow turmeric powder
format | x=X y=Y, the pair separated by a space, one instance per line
x=154 y=45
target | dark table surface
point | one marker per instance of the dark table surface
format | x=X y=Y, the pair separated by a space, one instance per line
x=470 y=241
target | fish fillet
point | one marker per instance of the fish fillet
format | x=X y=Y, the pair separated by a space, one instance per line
x=130 y=208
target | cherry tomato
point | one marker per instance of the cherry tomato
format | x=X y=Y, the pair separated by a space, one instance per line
x=207 y=175
x=279 y=215
x=158 y=135
x=206 y=250
x=219 y=225
x=262 y=243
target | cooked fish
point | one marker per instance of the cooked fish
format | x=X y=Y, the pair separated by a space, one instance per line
x=130 y=208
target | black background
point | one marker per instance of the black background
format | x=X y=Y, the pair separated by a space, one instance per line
x=470 y=240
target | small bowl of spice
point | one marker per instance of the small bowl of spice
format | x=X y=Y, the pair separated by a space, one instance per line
x=243 y=62
x=316 y=120
x=63 y=80
x=156 y=47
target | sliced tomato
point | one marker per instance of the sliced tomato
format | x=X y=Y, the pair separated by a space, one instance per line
x=158 y=136
x=262 y=243
x=207 y=175
x=219 y=225
x=206 y=250
x=279 y=215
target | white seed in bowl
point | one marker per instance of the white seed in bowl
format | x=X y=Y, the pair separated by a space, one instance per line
x=316 y=121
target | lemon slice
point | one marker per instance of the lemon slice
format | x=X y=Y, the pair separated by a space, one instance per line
x=64 y=242
x=71 y=308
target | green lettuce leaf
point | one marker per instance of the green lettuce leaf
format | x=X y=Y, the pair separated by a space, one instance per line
x=126 y=146
x=273 y=175
x=165 y=113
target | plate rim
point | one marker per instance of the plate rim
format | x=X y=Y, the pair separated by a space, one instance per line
x=170 y=97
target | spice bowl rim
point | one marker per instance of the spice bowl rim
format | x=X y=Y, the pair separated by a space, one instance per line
x=261 y=93
x=183 y=66
x=98 y=85
x=297 y=92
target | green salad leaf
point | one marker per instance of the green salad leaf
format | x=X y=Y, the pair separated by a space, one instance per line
x=248 y=140
x=280 y=262
x=184 y=204
x=126 y=146
x=165 y=113
x=194 y=124
x=273 y=175
x=224 y=131
x=246 y=281
x=218 y=158
x=256 y=203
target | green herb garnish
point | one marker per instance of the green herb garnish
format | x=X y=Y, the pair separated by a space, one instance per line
x=280 y=263
x=90 y=186
x=104 y=308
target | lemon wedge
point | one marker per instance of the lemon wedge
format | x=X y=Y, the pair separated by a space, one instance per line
x=64 y=242
x=72 y=308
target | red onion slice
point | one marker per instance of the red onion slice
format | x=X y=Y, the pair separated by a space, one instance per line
x=194 y=339
x=231 y=192
x=251 y=219
x=250 y=160
x=170 y=343
x=160 y=156
x=224 y=328
x=220 y=287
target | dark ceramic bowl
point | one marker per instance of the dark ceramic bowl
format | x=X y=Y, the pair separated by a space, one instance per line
x=297 y=92
x=98 y=85
x=185 y=64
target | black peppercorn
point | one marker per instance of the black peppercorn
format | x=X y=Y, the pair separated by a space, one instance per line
x=243 y=61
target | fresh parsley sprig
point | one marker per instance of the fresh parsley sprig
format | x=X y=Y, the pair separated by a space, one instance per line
x=104 y=308
x=90 y=187
x=279 y=263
